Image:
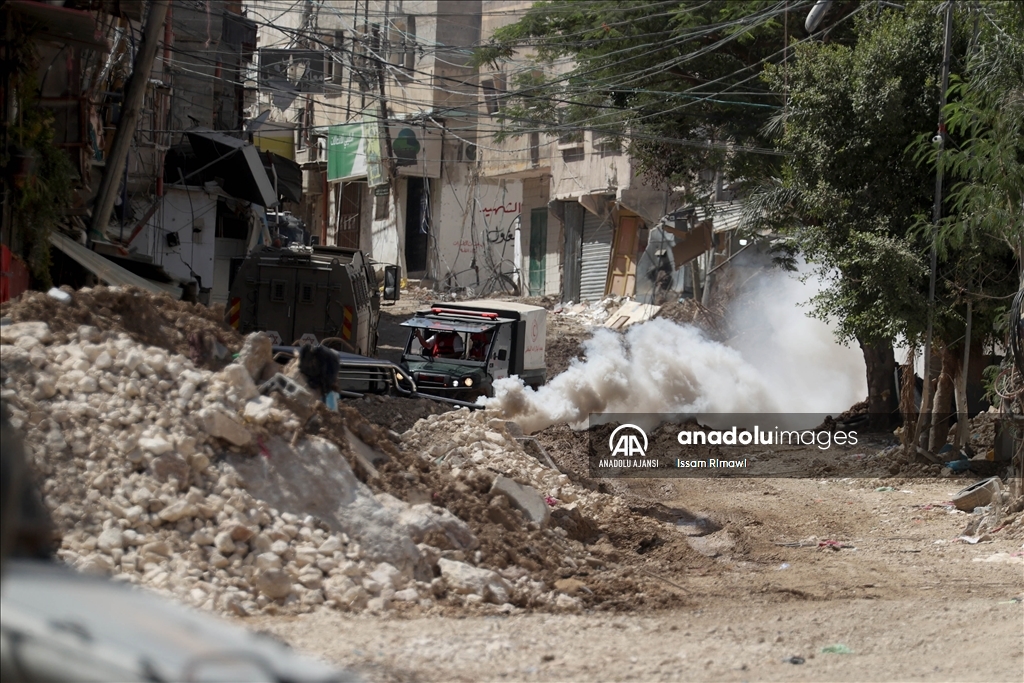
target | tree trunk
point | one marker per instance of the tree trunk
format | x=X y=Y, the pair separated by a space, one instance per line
x=908 y=404
x=963 y=425
x=943 y=403
x=883 y=403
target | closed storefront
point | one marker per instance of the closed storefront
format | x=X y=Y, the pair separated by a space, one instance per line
x=594 y=255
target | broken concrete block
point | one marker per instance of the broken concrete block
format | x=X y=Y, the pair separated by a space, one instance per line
x=467 y=579
x=368 y=458
x=237 y=377
x=10 y=334
x=297 y=398
x=223 y=542
x=110 y=539
x=258 y=410
x=179 y=509
x=218 y=423
x=274 y=583
x=426 y=520
x=89 y=334
x=629 y=313
x=170 y=465
x=256 y=353
x=523 y=498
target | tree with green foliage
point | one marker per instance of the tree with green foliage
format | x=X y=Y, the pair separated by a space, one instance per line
x=855 y=198
x=678 y=81
x=38 y=173
x=985 y=119
x=849 y=192
x=981 y=235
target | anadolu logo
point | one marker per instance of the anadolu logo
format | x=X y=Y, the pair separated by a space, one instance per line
x=628 y=444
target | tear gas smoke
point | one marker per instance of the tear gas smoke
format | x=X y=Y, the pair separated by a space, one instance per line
x=779 y=361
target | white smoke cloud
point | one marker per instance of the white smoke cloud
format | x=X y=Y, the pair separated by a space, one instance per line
x=781 y=362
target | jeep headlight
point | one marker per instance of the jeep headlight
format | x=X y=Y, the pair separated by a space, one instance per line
x=469 y=381
x=455 y=382
x=399 y=376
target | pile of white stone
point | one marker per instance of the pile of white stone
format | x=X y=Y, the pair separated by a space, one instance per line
x=590 y=314
x=464 y=440
x=149 y=465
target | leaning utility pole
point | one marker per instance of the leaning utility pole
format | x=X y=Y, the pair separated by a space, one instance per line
x=134 y=95
x=923 y=419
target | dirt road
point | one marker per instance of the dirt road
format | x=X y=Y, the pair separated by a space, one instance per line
x=905 y=599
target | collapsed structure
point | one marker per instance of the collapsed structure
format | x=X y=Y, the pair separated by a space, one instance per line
x=182 y=476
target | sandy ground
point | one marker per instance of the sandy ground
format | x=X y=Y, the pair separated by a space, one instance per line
x=903 y=600
x=907 y=601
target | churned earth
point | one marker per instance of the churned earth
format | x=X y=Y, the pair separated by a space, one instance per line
x=860 y=571
x=902 y=599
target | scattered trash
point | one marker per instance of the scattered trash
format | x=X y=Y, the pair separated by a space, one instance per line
x=833 y=545
x=1012 y=601
x=60 y=295
x=978 y=494
x=958 y=466
x=884 y=489
x=629 y=313
x=794 y=660
x=551 y=501
x=331 y=400
x=783 y=566
x=809 y=542
x=837 y=649
x=973 y=540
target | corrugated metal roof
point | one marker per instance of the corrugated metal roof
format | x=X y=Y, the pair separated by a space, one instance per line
x=724 y=215
x=108 y=271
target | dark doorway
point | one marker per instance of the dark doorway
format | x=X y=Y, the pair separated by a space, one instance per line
x=538 y=250
x=349 y=204
x=417 y=226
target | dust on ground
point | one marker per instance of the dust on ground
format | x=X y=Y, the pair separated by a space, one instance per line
x=860 y=572
x=771 y=602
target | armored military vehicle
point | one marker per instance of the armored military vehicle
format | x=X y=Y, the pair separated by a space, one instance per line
x=325 y=295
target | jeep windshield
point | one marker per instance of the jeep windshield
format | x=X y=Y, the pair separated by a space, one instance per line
x=449 y=340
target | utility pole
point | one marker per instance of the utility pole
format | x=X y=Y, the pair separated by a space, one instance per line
x=134 y=95
x=387 y=155
x=923 y=419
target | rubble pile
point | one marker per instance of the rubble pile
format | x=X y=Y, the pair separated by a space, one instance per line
x=590 y=313
x=126 y=436
x=149 y=474
x=600 y=541
x=467 y=440
x=176 y=326
x=198 y=484
x=689 y=312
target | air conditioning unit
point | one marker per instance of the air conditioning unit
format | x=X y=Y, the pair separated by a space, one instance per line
x=314 y=153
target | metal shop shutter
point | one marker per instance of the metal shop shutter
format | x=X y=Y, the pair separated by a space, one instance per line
x=596 y=252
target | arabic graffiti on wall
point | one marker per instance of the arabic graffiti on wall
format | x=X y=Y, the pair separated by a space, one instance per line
x=501 y=235
x=511 y=208
x=468 y=246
